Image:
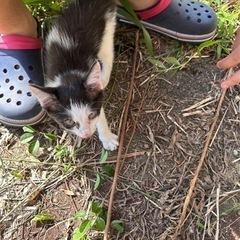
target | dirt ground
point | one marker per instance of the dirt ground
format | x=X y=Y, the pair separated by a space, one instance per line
x=169 y=119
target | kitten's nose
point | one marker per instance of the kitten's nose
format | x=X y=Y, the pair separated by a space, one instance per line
x=86 y=133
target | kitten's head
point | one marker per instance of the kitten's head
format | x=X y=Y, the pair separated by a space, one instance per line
x=76 y=102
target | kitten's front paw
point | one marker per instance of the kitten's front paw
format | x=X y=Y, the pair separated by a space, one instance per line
x=109 y=141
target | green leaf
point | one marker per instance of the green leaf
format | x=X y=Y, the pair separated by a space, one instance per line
x=41 y=217
x=157 y=63
x=98 y=182
x=77 y=235
x=34 y=147
x=128 y=7
x=61 y=150
x=80 y=214
x=132 y=16
x=96 y=208
x=29 y=129
x=108 y=170
x=147 y=40
x=116 y=224
x=172 y=60
x=103 y=214
x=104 y=156
x=128 y=16
x=219 y=52
x=55 y=7
x=50 y=136
x=84 y=228
x=16 y=173
x=208 y=44
x=200 y=225
x=100 y=224
x=26 y=137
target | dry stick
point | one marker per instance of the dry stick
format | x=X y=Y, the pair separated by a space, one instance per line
x=204 y=153
x=123 y=129
x=218 y=214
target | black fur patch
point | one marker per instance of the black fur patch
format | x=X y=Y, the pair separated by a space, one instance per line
x=83 y=22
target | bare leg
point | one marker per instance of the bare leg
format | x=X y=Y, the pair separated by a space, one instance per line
x=16 y=19
x=140 y=4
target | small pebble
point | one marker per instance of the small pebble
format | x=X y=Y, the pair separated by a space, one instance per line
x=235 y=153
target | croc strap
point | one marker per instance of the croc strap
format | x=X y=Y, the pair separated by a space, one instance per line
x=154 y=10
x=19 y=42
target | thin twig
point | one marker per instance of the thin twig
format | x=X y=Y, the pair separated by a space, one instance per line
x=223 y=197
x=218 y=214
x=123 y=129
x=219 y=125
x=198 y=104
x=170 y=118
x=201 y=161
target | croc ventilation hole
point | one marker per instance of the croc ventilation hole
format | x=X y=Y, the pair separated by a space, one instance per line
x=18 y=103
x=11 y=88
x=30 y=68
x=199 y=20
x=20 y=77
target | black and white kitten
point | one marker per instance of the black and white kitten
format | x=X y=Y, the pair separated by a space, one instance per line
x=79 y=57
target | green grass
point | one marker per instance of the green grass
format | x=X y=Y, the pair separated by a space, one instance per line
x=44 y=9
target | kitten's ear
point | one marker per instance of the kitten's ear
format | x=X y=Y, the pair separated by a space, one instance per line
x=46 y=96
x=94 y=79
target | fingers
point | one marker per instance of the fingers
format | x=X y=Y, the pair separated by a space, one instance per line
x=231 y=81
x=231 y=61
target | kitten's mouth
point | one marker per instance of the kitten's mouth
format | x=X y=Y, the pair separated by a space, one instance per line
x=85 y=136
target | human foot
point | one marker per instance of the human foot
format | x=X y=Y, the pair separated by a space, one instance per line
x=20 y=65
x=185 y=20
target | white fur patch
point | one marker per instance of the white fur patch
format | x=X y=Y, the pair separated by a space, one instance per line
x=80 y=115
x=56 y=36
x=56 y=82
x=106 y=53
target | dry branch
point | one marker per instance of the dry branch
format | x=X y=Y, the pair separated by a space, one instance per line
x=123 y=130
x=201 y=161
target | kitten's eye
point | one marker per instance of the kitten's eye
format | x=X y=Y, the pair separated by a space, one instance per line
x=69 y=122
x=92 y=115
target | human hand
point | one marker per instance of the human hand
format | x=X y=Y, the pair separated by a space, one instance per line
x=231 y=61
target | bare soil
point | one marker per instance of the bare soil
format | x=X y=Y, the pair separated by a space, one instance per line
x=165 y=135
